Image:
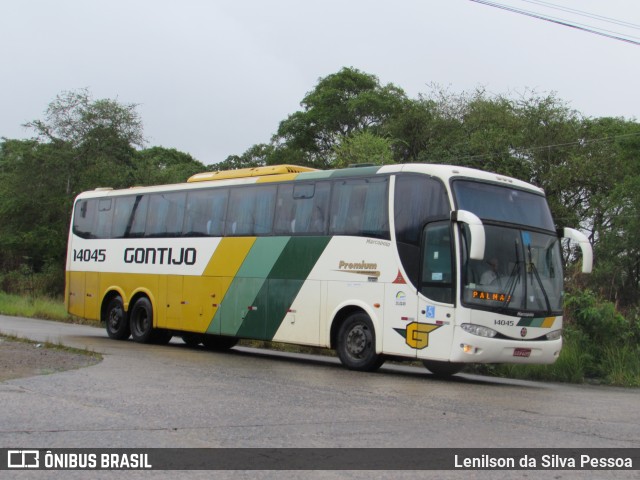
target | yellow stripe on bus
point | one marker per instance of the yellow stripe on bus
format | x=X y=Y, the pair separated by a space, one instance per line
x=226 y=260
x=548 y=322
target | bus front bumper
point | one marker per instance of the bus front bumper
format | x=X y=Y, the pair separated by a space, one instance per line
x=468 y=348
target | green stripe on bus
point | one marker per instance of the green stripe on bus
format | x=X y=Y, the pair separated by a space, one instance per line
x=319 y=175
x=347 y=172
x=531 y=322
x=282 y=286
x=355 y=172
x=263 y=254
x=244 y=288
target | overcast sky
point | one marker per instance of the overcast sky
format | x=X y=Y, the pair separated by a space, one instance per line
x=214 y=77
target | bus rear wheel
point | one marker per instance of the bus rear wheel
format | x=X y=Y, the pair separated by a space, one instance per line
x=141 y=321
x=356 y=346
x=116 y=320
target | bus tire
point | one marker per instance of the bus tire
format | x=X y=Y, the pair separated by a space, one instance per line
x=443 y=369
x=219 y=342
x=141 y=321
x=116 y=320
x=356 y=344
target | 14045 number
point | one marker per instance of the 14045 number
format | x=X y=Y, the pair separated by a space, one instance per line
x=89 y=255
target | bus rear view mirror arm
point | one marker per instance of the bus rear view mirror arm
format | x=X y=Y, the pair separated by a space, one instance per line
x=585 y=247
x=476 y=229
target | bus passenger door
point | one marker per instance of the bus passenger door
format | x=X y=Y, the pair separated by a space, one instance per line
x=432 y=334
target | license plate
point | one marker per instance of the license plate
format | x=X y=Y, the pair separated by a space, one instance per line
x=522 y=352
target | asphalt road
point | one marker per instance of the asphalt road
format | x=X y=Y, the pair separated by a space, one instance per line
x=173 y=396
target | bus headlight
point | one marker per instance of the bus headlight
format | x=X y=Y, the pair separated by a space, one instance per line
x=555 y=335
x=478 y=330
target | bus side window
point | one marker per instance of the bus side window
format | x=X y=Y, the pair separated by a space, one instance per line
x=359 y=207
x=251 y=210
x=417 y=199
x=205 y=214
x=437 y=270
x=103 y=220
x=166 y=215
x=85 y=213
x=138 y=221
x=301 y=208
x=285 y=211
x=317 y=208
x=122 y=215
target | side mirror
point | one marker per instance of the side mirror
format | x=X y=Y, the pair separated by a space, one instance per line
x=585 y=247
x=476 y=229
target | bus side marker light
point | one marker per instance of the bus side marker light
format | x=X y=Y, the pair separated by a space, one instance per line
x=468 y=348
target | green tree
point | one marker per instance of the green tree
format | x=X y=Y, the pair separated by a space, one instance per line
x=34 y=207
x=258 y=155
x=80 y=144
x=608 y=178
x=99 y=135
x=340 y=105
x=363 y=147
x=159 y=165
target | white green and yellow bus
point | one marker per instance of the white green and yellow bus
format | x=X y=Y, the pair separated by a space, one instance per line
x=443 y=264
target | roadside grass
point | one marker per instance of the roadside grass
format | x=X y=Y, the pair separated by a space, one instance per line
x=52 y=346
x=622 y=365
x=36 y=307
x=582 y=359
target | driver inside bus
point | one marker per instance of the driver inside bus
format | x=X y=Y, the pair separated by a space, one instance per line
x=490 y=276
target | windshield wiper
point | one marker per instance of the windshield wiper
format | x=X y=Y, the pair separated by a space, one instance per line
x=512 y=281
x=539 y=280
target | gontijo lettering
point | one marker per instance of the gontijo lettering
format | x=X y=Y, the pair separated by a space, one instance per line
x=160 y=256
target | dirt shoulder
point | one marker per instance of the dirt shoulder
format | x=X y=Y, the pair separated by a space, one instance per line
x=20 y=358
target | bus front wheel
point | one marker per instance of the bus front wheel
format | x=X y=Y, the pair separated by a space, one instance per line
x=356 y=346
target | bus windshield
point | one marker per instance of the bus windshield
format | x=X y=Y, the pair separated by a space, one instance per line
x=503 y=204
x=521 y=273
x=522 y=268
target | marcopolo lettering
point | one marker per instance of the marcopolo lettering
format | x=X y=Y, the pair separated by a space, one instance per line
x=160 y=256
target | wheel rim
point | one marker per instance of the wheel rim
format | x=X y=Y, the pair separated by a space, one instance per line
x=116 y=316
x=141 y=323
x=358 y=341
